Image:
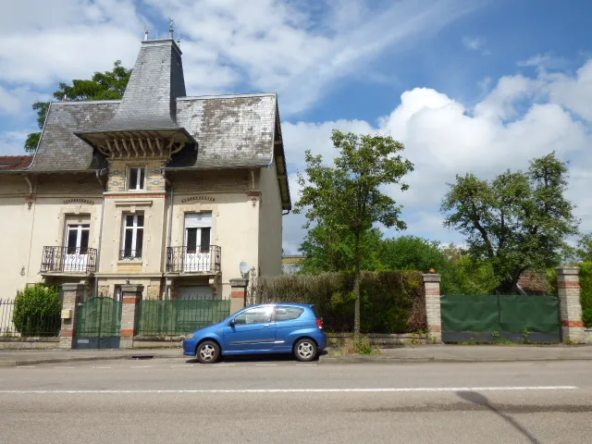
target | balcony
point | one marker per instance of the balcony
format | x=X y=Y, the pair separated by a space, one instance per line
x=68 y=260
x=194 y=260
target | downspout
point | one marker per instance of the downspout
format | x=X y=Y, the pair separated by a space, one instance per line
x=100 y=173
x=170 y=229
x=30 y=203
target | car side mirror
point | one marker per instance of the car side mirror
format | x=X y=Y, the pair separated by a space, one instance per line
x=232 y=322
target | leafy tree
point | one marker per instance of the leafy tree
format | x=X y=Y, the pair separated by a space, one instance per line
x=327 y=249
x=109 y=85
x=584 y=249
x=37 y=311
x=348 y=196
x=519 y=221
x=415 y=253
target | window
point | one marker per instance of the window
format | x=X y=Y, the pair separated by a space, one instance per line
x=135 y=178
x=198 y=230
x=77 y=239
x=288 y=313
x=133 y=236
x=254 y=316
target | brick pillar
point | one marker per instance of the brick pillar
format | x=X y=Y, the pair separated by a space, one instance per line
x=72 y=294
x=132 y=295
x=570 y=309
x=238 y=295
x=431 y=284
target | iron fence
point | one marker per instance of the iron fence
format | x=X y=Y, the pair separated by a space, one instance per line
x=193 y=259
x=68 y=260
x=14 y=323
x=175 y=318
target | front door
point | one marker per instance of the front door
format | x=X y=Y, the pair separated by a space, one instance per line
x=76 y=257
x=198 y=229
x=253 y=330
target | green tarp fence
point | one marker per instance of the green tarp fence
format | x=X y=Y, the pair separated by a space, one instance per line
x=534 y=315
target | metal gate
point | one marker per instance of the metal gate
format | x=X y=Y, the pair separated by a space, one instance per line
x=98 y=323
x=500 y=318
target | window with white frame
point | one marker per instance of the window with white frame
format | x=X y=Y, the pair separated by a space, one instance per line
x=135 y=178
x=133 y=236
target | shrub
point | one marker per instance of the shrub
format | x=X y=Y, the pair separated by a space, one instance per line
x=586 y=292
x=37 y=311
x=391 y=302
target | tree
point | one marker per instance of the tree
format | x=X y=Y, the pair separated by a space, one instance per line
x=328 y=249
x=109 y=85
x=519 y=221
x=348 y=196
x=584 y=249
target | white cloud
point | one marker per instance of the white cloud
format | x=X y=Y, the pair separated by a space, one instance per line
x=278 y=46
x=544 y=61
x=475 y=44
x=11 y=143
x=443 y=138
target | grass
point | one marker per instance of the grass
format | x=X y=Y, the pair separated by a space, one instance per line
x=361 y=347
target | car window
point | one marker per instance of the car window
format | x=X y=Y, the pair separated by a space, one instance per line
x=288 y=313
x=254 y=316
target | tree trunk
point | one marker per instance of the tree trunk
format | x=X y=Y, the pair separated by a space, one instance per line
x=357 y=291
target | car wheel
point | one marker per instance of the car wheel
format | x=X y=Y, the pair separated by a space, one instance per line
x=208 y=352
x=305 y=350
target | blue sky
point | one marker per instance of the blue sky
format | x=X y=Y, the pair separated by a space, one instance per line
x=467 y=85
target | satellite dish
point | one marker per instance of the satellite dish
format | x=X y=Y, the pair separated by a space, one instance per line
x=244 y=268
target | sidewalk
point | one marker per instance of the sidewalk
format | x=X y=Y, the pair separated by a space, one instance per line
x=469 y=353
x=420 y=353
x=12 y=358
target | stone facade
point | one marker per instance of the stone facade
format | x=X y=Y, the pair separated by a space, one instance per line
x=72 y=294
x=570 y=309
x=432 y=299
x=132 y=295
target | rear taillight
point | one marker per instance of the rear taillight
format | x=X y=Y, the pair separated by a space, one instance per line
x=320 y=323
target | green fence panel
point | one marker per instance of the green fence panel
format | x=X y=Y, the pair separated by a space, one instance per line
x=99 y=317
x=173 y=318
x=533 y=313
x=470 y=313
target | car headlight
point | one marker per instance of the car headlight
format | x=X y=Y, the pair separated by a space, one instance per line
x=189 y=336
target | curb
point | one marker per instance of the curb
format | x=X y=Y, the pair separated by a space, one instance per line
x=395 y=360
x=16 y=363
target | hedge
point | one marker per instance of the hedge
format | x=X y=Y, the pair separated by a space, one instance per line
x=391 y=302
x=37 y=311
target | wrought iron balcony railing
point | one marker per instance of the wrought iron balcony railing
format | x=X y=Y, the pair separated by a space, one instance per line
x=193 y=259
x=68 y=260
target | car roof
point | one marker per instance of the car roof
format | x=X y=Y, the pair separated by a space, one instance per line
x=283 y=304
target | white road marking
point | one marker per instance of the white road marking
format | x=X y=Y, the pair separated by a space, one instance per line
x=140 y=366
x=64 y=366
x=100 y=367
x=320 y=390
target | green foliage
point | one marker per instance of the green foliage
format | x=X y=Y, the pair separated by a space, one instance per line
x=584 y=250
x=109 y=85
x=329 y=250
x=391 y=302
x=586 y=292
x=519 y=221
x=363 y=346
x=346 y=200
x=37 y=311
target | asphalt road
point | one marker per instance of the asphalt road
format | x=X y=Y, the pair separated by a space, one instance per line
x=175 y=401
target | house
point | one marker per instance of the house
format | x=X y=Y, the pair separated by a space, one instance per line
x=158 y=189
x=292 y=263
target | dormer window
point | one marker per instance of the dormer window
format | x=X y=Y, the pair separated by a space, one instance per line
x=135 y=178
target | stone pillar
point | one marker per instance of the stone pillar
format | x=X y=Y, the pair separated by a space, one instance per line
x=132 y=295
x=238 y=294
x=570 y=309
x=431 y=284
x=72 y=295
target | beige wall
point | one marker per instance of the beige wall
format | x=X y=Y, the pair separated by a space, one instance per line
x=270 y=225
x=245 y=225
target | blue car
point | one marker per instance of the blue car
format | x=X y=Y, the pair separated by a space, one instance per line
x=260 y=329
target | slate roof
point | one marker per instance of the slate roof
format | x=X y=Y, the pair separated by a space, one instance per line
x=14 y=163
x=149 y=102
x=60 y=149
x=231 y=131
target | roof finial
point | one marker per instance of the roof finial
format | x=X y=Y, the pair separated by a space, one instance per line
x=146 y=35
x=171 y=28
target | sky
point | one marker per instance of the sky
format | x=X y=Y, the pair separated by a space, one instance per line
x=476 y=86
